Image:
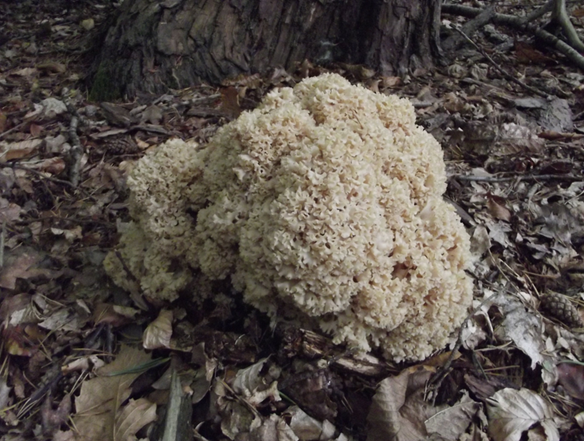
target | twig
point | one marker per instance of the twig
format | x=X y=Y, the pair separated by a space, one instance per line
x=76 y=149
x=2 y=237
x=500 y=69
x=569 y=178
x=38 y=394
x=16 y=127
x=36 y=172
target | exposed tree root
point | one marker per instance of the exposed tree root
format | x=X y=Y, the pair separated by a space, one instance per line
x=559 y=17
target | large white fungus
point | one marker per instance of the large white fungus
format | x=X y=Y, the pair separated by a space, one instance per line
x=323 y=205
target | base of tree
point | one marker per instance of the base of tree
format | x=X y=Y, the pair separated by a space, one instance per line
x=155 y=46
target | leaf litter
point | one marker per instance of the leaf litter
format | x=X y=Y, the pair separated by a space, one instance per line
x=76 y=348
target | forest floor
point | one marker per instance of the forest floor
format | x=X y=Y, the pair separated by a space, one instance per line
x=78 y=352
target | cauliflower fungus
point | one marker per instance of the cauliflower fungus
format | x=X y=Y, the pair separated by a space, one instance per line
x=323 y=205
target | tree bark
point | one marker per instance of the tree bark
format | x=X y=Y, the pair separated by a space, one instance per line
x=155 y=45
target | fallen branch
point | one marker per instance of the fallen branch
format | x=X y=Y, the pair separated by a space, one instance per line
x=76 y=150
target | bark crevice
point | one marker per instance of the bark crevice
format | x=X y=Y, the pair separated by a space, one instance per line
x=153 y=46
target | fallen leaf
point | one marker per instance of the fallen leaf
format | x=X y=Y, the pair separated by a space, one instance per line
x=230 y=102
x=250 y=384
x=397 y=410
x=25 y=72
x=52 y=107
x=571 y=377
x=35 y=130
x=18 y=150
x=9 y=211
x=4 y=392
x=497 y=210
x=52 y=66
x=88 y=24
x=69 y=235
x=101 y=400
x=526 y=53
x=157 y=334
x=450 y=422
x=306 y=427
x=106 y=313
x=152 y=114
x=133 y=416
x=2 y=121
x=522 y=327
x=512 y=412
x=53 y=166
x=53 y=418
x=16 y=342
x=20 y=268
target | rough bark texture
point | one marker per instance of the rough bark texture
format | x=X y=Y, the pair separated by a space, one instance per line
x=153 y=45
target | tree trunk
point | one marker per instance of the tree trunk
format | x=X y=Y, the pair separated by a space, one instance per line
x=155 y=45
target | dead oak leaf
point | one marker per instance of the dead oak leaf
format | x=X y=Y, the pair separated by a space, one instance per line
x=102 y=413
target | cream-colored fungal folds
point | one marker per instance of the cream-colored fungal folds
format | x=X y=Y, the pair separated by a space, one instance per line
x=323 y=205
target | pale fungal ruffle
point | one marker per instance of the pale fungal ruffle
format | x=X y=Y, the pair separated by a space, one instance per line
x=323 y=205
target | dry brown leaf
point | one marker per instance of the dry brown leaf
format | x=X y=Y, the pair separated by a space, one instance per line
x=132 y=417
x=398 y=408
x=306 y=427
x=157 y=334
x=390 y=82
x=35 y=130
x=230 y=101
x=204 y=375
x=20 y=268
x=64 y=436
x=571 y=377
x=450 y=422
x=250 y=384
x=102 y=398
x=512 y=412
x=25 y=72
x=526 y=53
x=112 y=314
x=9 y=211
x=4 y=392
x=152 y=114
x=16 y=342
x=18 y=150
x=53 y=166
x=497 y=210
x=53 y=418
x=273 y=428
x=69 y=235
x=523 y=328
x=10 y=307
